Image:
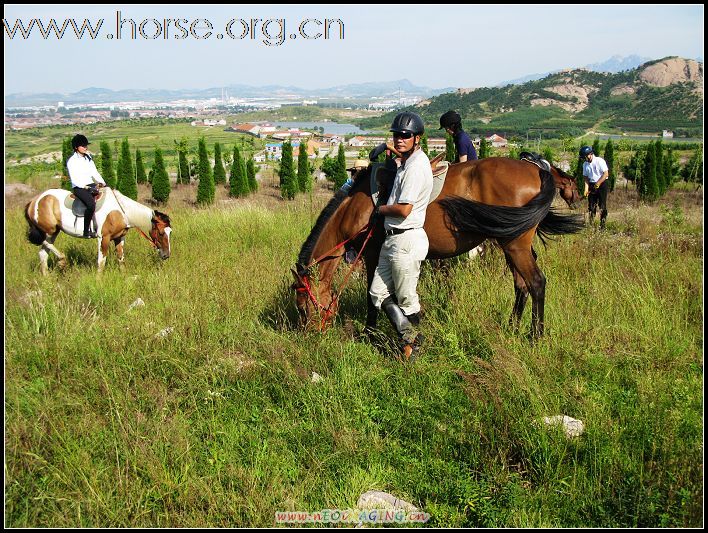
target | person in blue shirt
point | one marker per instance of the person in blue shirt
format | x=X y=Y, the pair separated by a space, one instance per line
x=452 y=123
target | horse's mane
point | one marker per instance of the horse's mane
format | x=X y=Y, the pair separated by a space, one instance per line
x=339 y=196
x=309 y=246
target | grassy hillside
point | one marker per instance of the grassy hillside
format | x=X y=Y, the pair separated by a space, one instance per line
x=218 y=423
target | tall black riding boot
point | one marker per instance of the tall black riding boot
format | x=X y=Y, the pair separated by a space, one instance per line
x=407 y=333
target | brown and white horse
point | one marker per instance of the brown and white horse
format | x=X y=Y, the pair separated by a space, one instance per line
x=47 y=215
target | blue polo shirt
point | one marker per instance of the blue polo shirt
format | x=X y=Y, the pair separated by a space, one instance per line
x=464 y=146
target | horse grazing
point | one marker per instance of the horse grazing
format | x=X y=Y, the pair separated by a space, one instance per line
x=494 y=198
x=48 y=214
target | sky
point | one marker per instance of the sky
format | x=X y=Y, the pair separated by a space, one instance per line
x=432 y=46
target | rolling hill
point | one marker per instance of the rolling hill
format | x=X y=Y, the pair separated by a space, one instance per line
x=661 y=94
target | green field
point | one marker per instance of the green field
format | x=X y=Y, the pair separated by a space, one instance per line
x=218 y=423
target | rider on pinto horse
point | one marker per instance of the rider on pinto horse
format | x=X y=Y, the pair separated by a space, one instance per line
x=84 y=180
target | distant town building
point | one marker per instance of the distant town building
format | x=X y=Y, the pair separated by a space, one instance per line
x=497 y=141
x=666 y=134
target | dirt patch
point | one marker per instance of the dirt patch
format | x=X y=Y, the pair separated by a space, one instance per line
x=17 y=194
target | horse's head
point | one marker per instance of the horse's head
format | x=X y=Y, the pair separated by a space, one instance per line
x=312 y=312
x=160 y=233
x=567 y=186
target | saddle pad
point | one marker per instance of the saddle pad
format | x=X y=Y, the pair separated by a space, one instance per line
x=79 y=208
x=536 y=159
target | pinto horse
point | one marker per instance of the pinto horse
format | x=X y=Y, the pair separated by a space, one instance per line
x=494 y=198
x=47 y=215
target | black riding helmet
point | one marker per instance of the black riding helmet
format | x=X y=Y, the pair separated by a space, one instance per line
x=408 y=122
x=79 y=140
x=449 y=119
x=585 y=151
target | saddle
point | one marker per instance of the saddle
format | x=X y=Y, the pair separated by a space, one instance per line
x=78 y=208
x=379 y=179
x=535 y=159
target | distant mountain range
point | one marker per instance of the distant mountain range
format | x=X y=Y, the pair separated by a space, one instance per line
x=98 y=95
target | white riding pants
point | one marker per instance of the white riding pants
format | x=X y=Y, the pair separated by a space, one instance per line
x=399 y=269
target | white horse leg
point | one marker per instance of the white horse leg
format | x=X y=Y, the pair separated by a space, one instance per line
x=120 y=252
x=43 y=256
x=48 y=245
x=102 y=252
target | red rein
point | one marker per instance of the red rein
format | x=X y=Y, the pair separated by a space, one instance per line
x=331 y=310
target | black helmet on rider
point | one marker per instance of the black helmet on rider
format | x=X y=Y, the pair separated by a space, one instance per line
x=449 y=119
x=585 y=151
x=408 y=122
x=79 y=140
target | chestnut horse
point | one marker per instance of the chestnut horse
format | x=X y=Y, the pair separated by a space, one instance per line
x=494 y=198
x=47 y=215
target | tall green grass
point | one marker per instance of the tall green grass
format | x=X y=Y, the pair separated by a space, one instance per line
x=218 y=423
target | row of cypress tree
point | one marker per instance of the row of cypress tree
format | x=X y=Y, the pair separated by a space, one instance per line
x=292 y=183
x=125 y=176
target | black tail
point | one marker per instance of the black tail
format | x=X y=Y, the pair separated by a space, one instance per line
x=35 y=235
x=556 y=224
x=501 y=222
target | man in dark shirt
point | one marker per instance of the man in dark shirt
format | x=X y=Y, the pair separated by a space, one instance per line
x=452 y=123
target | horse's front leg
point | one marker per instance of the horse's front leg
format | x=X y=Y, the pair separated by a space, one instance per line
x=103 y=245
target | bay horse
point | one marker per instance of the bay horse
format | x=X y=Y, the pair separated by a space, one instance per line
x=493 y=198
x=47 y=215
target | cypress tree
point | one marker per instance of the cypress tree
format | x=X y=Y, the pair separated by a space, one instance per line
x=548 y=154
x=450 y=150
x=251 y=173
x=160 y=178
x=127 y=183
x=578 y=173
x=183 y=174
x=484 y=149
x=596 y=147
x=219 y=172
x=288 y=180
x=650 y=186
x=206 y=189
x=140 y=175
x=238 y=187
x=424 y=143
x=341 y=175
x=107 y=171
x=304 y=178
x=668 y=169
x=659 y=161
x=610 y=160
x=66 y=152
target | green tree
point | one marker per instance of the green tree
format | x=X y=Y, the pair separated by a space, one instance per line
x=107 y=172
x=206 y=189
x=219 y=172
x=485 y=148
x=578 y=172
x=609 y=158
x=140 y=175
x=693 y=169
x=304 y=177
x=341 y=175
x=548 y=154
x=659 y=161
x=183 y=172
x=127 y=183
x=288 y=179
x=669 y=168
x=450 y=150
x=632 y=170
x=251 y=173
x=650 y=186
x=160 y=178
x=424 y=143
x=238 y=186
x=596 y=147
x=66 y=152
x=329 y=167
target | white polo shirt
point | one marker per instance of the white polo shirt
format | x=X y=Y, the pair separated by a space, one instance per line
x=83 y=171
x=412 y=185
x=594 y=169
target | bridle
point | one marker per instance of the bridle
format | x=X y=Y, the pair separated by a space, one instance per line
x=326 y=313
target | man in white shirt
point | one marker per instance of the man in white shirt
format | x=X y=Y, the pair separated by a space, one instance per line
x=394 y=287
x=85 y=179
x=595 y=172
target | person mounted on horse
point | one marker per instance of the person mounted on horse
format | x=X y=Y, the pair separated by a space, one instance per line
x=85 y=180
